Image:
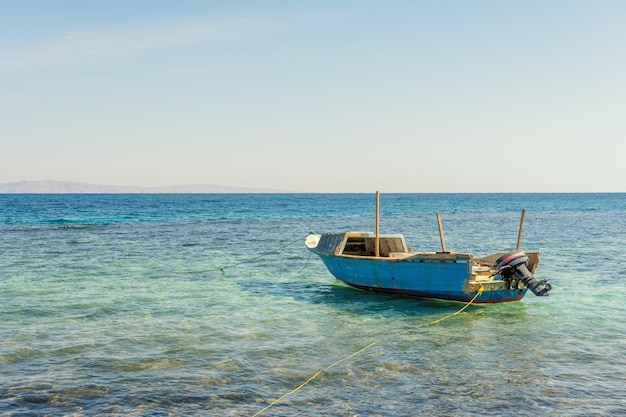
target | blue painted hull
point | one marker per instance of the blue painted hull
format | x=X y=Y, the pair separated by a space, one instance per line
x=443 y=278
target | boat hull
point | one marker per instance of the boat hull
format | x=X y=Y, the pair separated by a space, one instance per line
x=446 y=277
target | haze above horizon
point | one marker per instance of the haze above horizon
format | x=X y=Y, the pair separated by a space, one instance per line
x=400 y=96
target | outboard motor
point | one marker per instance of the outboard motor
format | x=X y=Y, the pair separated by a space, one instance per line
x=513 y=265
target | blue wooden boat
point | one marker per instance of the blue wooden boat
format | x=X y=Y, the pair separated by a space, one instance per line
x=385 y=263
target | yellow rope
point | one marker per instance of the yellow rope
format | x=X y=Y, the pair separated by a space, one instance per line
x=289 y=393
x=276 y=401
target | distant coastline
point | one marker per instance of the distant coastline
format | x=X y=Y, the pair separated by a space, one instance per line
x=68 y=187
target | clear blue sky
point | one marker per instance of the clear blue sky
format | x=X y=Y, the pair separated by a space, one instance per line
x=316 y=96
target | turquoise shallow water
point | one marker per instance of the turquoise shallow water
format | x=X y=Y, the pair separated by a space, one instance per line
x=116 y=305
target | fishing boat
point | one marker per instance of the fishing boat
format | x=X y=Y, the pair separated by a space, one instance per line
x=385 y=263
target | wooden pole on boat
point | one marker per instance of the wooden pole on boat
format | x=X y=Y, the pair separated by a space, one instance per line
x=443 y=241
x=521 y=227
x=377 y=240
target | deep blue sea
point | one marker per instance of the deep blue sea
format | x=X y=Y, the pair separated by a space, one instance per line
x=209 y=304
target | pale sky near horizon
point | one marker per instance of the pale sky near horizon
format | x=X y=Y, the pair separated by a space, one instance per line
x=324 y=96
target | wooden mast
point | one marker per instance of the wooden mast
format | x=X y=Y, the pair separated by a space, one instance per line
x=521 y=227
x=443 y=241
x=377 y=240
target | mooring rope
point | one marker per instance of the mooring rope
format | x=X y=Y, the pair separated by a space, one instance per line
x=306 y=264
x=245 y=261
x=352 y=355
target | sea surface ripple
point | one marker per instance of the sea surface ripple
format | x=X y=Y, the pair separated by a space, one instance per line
x=195 y=305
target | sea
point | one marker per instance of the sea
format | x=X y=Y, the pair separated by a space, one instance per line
x=211 y=305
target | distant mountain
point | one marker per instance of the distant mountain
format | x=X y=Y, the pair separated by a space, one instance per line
x=65 y=187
